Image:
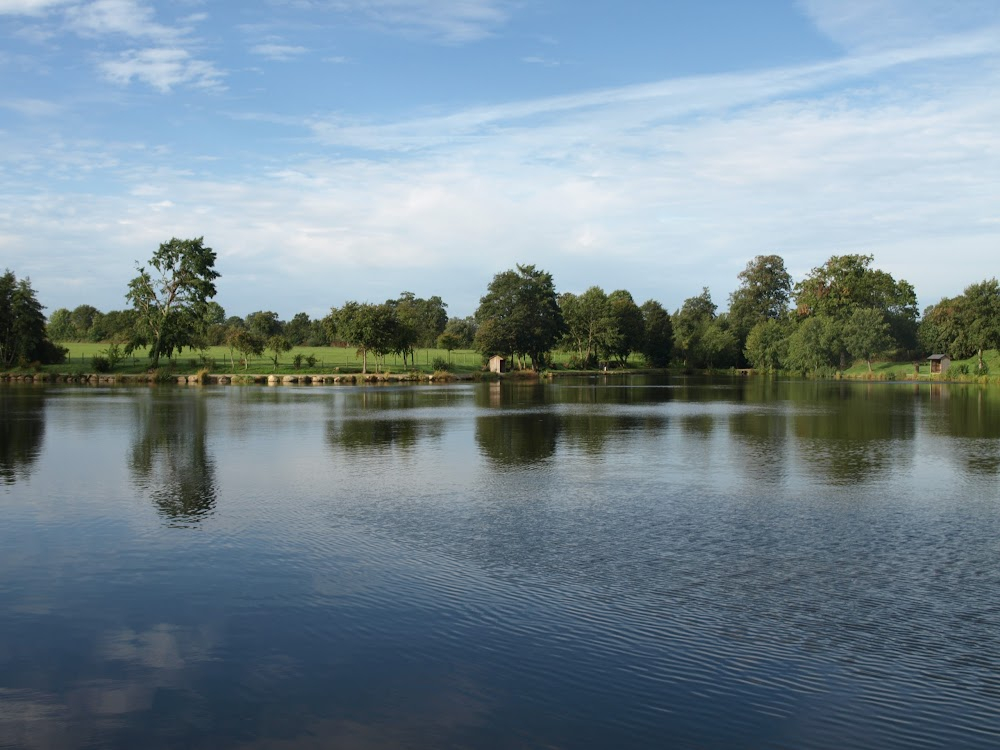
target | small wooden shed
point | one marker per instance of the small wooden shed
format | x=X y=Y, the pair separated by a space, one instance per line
x=498 y=363
x=939 y=363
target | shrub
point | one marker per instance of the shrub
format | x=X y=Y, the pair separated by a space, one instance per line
x=202 y=376
x=113 y=354
x=100 y=364
x=440 y=364
x=297 y=361
x=311 y=360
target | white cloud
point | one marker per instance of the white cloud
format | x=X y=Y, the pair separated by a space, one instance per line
x=163 y=68
x=447 y=21
x=32 y=107
x=278 y=52
x=870 y=24
x=126 y=17
x=28 y=7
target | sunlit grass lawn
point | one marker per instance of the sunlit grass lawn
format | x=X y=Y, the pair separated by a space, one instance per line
x=960 y=369
x=217 y=360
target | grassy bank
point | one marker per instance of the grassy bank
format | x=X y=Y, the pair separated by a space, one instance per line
x=961 y=370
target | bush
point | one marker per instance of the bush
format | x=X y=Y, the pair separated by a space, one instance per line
x=440 y=364
x=100 y=364
x=311 y=360
x=297 y=361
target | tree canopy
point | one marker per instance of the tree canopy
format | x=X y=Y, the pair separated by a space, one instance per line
x=170 y=302
x=519 y=315
x=23 y=337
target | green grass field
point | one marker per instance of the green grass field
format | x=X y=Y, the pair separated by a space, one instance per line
x=217 y=359
x=961 y=369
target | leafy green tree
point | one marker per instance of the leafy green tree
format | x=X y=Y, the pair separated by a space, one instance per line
x=449 y=342
x=23 y=338
x=719 y=347
x=846 y=283
x=625 y=327
x=427 y=318
x=766 y=347
x=520 y=315
x=866 y=335
x=246 y=342
x=940 y=329
x=83 y=319
x=278 y=345
x=464 y=329
x=59 y=326
x=371 y=328
x=979 y=317
x=115 y=326
x=299 y=329
x=690 y=324
x=814 y=344
x=265 y=323
x=763 y=294
x=170 y=303
x=586 y=318
x=658 y=336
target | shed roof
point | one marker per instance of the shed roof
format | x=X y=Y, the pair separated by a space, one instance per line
x=938 y=356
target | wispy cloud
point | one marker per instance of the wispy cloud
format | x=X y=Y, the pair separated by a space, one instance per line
x=164 y=55
x=861 y=25
x=163 y=68
x=278 y=52
x=445 y=21
x=126 y=17
x=28 y=7
x=32 y=107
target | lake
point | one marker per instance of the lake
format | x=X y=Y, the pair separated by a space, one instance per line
x=588 y=563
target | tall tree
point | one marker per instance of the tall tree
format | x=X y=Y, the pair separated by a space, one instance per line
x=265 y=323
x=866 y=335
x=586 y=318
x=979 y=316
x=846 y=283
x=170 y=302
x=940 y=330
x=464 y=330
x=763 y=294
x=371 y=328
x=23 y=338
x=690 y=324
x=60 y=325
x=520 y=315
x=658 y=338
x=299 y=329
x=625 y=327
x=766 y=346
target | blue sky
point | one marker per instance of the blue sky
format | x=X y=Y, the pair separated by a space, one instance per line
x=353 y=149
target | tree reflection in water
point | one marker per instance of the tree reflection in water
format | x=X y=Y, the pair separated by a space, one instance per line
x=22 y=429
x=378 y=421
x=169 y=458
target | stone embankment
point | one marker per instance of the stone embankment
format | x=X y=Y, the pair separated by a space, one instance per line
x=224 y=379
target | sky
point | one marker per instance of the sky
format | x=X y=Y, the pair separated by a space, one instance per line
x=334 y=150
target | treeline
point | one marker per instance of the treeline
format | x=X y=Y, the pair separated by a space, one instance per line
x=843 y=311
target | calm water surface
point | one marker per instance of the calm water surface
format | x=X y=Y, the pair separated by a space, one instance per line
x=592 y=563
